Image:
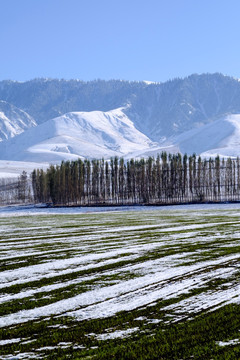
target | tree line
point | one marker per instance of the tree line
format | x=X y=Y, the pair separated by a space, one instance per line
x=168 y=179
x=16 y=190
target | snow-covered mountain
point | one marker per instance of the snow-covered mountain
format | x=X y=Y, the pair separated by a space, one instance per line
x=77 y=134
x=159 y=110
x=13 y=121
x=106 y=118
x=220 y=137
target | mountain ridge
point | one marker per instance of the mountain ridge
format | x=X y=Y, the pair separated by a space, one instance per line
x=164 y=113
x=157 y=109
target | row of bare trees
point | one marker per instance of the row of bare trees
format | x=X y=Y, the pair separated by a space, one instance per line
x=16 y=190
x=168 y=179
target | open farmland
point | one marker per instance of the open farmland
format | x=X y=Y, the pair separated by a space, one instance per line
x=150 y=284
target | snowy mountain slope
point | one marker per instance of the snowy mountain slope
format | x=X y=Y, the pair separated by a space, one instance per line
x=13 y=121
x=182 y=115
x=78 y=134
x=159 y=110
x=220 y=137
x=230 y=145
x=220 y=134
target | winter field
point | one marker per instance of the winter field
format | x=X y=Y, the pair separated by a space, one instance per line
x=158 y=283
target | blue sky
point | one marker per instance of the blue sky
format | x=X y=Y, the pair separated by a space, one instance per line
x=152 y=40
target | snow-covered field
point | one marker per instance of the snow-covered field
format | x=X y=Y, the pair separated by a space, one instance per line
x=159 y=266
x=12 y=169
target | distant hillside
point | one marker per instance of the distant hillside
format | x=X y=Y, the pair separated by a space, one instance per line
x=219 y=137
x=159 y=110
x=94 y=134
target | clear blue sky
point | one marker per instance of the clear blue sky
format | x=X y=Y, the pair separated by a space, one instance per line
x=152 y=40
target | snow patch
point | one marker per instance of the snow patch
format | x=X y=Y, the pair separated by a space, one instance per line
x=229 y=342
x=117 y=334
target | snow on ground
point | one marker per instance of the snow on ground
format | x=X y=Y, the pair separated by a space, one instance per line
x=66 y=267
x=229 y=342
x=12 y=169
x=24 y=356
x=84 y=243
x=4 y=342
x=117 y=334
x=31 y=210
